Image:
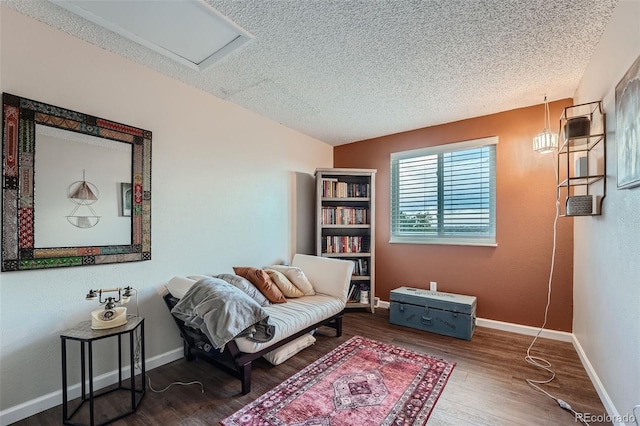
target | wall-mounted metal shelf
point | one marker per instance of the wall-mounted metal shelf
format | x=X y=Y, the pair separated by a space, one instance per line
x=582 y=160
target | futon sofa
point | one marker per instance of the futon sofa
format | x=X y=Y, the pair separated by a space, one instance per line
x=290 y=324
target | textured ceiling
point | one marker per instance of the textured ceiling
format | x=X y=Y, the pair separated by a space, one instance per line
x=343 y=71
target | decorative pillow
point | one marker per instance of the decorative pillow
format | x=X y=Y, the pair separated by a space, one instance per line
x=286 y=287
x=296 y=276
x=284 y=352
x=246 y=286
x=178 y=286
x=262 y=281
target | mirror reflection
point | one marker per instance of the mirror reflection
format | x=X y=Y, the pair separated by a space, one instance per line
x=60 y=158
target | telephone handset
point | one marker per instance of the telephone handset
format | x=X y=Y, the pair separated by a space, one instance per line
x=111 y=315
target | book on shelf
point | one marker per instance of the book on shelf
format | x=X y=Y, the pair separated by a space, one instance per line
x=355 y=290
x=350 y=296
x=333 y=188
x=360 y=267
x=343 y=215
x=345 y=244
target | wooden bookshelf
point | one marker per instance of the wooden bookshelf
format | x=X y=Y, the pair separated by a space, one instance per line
x=345 y=215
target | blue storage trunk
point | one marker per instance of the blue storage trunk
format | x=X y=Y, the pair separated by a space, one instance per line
x=443 y=313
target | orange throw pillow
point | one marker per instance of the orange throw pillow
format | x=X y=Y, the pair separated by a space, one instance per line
x=262 y=281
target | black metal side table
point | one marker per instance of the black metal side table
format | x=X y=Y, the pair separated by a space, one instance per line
x=84 y=334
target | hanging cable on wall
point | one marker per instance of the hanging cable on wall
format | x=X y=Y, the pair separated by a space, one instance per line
x=546 y=142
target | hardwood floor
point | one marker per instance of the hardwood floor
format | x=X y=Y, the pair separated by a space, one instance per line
x=487 y=386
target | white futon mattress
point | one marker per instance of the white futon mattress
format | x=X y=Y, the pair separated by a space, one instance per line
x=293 y=316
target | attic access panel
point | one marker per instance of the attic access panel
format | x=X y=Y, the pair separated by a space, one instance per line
x=189 y=32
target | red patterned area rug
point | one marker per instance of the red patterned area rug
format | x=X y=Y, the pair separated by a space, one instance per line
x=361 y=382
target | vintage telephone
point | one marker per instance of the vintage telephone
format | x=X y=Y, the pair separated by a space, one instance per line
x=111 y=315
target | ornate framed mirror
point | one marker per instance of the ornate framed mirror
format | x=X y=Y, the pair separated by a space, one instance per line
x=76 y=189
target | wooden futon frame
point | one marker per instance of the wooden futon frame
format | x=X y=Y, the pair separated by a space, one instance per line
x=231 y=360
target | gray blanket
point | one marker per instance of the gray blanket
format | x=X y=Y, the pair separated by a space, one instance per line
x=223 y=312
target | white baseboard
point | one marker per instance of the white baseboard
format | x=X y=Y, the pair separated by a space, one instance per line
x=53 y=399
x=562 y=336
x=612 y=411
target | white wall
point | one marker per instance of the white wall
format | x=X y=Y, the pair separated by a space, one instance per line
x=607 y=248
x=225 y=192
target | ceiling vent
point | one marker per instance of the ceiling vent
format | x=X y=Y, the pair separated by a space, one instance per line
x=188 y=31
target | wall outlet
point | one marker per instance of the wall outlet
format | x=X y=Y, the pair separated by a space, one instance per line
x=433 y=286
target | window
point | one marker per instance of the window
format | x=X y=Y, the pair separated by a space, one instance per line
x=445 y=194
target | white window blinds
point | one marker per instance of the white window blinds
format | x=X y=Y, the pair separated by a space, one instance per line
x=445 y=194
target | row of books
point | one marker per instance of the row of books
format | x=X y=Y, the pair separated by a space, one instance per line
x=345 y=216
x=331 y=188
x=355 y=290
x=360 y=267
x=345 y=244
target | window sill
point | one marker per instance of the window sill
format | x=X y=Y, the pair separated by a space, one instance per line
x=444 y=242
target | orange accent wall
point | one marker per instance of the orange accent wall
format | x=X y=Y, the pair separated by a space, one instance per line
x=510 y=280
